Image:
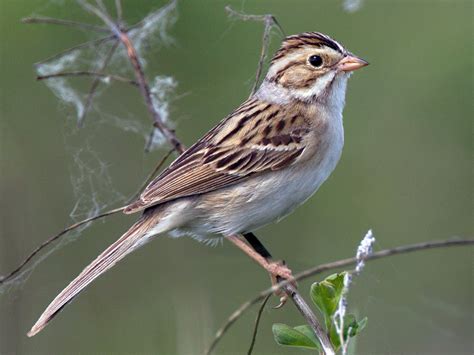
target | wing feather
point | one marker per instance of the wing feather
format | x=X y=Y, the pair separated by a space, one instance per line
x=214 y=163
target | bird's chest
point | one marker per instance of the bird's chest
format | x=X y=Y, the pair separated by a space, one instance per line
x=275 y=197
x=322 y=157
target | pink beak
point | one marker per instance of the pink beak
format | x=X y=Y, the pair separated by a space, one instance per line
x=351 y=62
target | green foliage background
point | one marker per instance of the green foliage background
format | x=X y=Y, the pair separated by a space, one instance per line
x=406 y=172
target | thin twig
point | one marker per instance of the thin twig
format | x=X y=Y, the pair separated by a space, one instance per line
x=257 y=323
x=149 y=141
x=96 y=82
x=101 y=5
x=269 y=21
x=88 y=73
x=92 y=43
x=144 y=87
x=47 y=242
x=119 y=11
x=57 y=21
x=177 y=146
x=55 y=237
x=404 y=249
x=151 y=175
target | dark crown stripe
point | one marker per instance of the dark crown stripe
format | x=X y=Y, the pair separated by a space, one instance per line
x=304 y=39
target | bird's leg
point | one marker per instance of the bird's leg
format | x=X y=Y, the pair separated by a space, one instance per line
x=257 y=245
x=256 y=250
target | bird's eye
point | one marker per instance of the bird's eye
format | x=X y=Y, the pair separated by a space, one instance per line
x=316 y=61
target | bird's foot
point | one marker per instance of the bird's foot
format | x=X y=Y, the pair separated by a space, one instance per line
x=278 y=272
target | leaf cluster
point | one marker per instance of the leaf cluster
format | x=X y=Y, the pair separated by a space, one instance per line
x=326 y=296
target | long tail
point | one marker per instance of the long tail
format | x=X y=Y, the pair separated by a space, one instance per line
x=131 y=240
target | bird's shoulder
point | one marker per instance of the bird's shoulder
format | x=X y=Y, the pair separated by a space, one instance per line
x=256 y=137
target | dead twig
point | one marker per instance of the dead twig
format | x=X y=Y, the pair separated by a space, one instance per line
x=47 y=242
x=88 y=73
x=151 y=175
x=69 y=23
x=404 y=249
x=70 y=228
x=257 y=323
x=119 y=11
x=269 y=21
x=96 y=82
x=143 y=84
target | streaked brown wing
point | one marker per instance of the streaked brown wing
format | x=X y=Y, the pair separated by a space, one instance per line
x=223 y=158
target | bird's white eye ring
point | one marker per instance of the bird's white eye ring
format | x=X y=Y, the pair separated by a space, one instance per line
x=315 y=60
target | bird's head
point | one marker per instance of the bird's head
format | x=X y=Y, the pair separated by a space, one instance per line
x=311 y=66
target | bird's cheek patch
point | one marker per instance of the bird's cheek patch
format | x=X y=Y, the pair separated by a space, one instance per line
x=299 y=77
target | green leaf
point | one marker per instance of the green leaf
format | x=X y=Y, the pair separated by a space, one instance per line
x=285 y=335
x=306 y=330
x=326 y=295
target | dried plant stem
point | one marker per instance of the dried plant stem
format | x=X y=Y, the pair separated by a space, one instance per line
x=92 y=43
x=269 y=21
x=96 y=82
x=70 y=228
x=257 y=323
x=69 y=23
x=88 y=73
x=151 y=175
x=404 y=249
x=119 y=11
x=311 y=319
x=47 y=242
x=95 y=42
x=140 y=76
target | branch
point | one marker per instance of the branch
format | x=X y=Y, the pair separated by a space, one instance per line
x=92 y=43
x=55 y=237
x=257 y=322
x=96 y=82
x=269 y=21
x=404 y=249
x=143 y=84
x=57 y=21
x=88 y=73
x=311 y=319
x=47 y=242
x=151 y=175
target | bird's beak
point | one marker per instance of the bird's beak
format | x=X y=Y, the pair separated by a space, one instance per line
x=351 y=62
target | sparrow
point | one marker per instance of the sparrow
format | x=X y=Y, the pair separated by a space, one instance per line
x=256 y=166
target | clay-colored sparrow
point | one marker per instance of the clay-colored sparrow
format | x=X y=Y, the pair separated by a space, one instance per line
x=256 y=166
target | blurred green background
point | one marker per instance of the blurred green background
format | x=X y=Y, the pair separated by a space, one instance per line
x=406 y=172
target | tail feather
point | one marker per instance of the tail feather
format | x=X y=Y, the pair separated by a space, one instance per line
x=127 y=243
